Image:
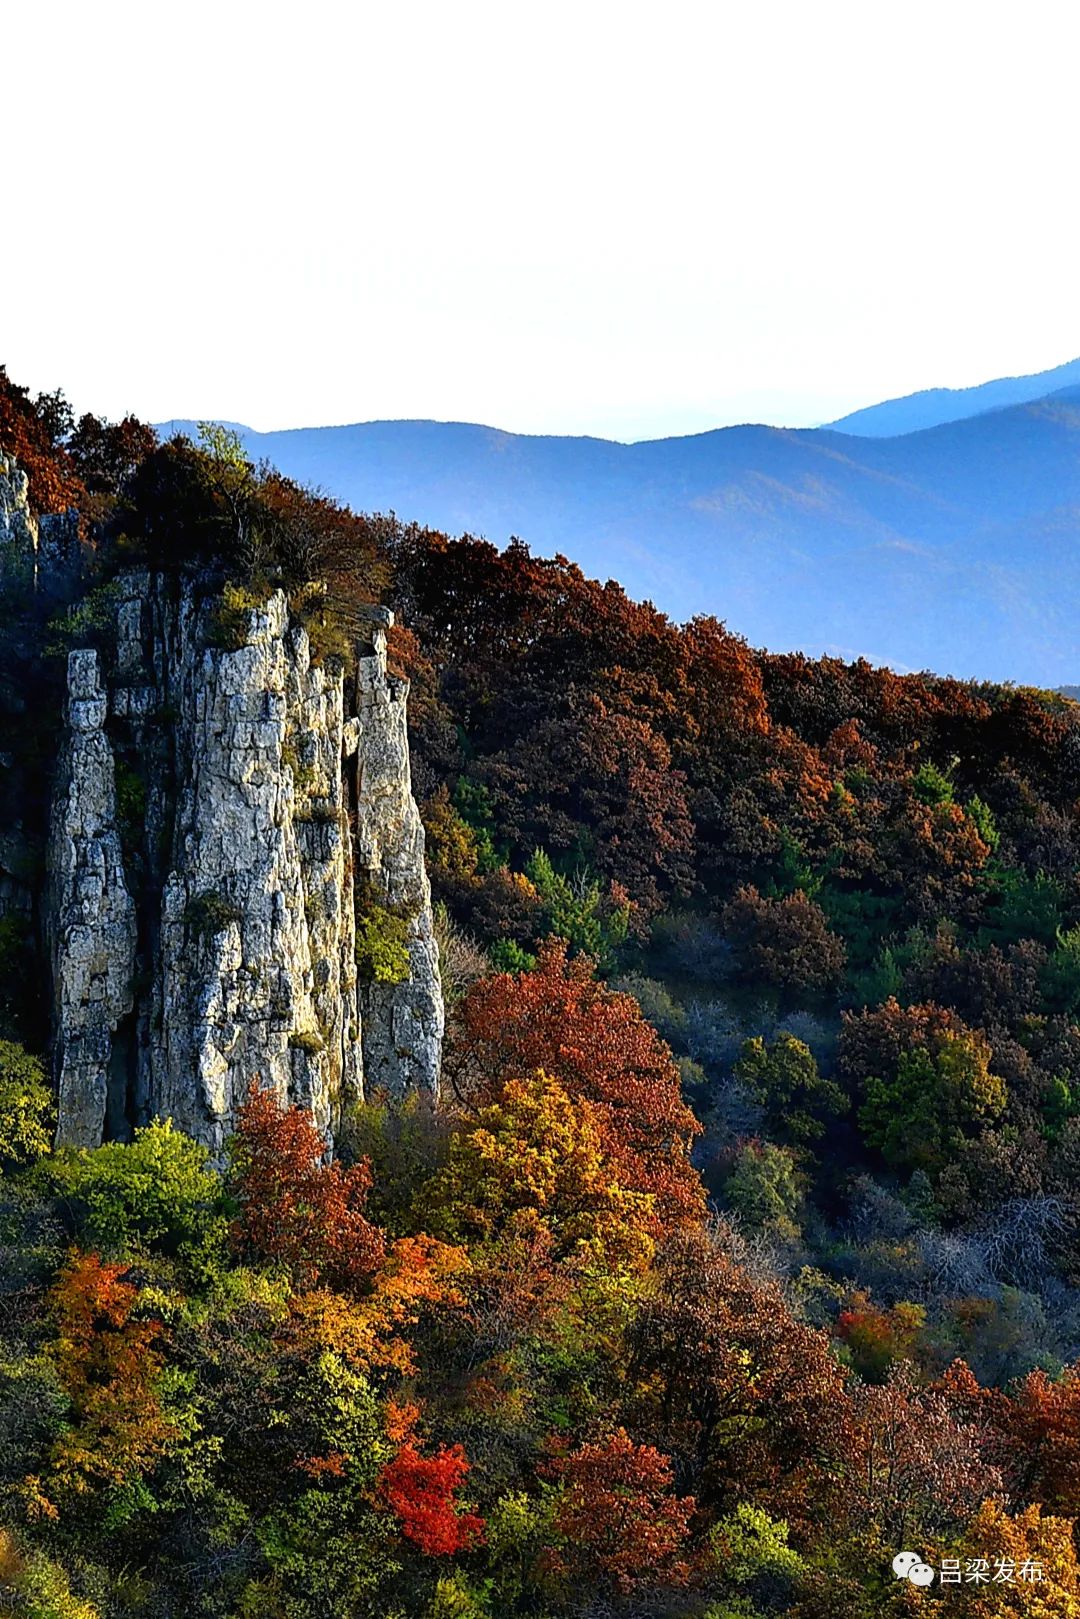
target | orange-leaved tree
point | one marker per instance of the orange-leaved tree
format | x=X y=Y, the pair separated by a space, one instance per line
x=30 y=430
x=1042 y=1427
x=419 y=1276
x=536 y=1156
x=108 y=1365
x=598 y=1046
x=1028 y=1566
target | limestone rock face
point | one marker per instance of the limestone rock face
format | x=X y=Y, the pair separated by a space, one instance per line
x=257 y=978
x=402 y=1023
x=44 y=548
x=203 y=935
x=91 y=913
x=18 y=526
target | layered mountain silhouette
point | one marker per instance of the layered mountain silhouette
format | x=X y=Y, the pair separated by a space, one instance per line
x=932 y=406
x=955 y=549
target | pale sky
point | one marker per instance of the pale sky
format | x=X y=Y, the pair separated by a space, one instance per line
x=561 y=218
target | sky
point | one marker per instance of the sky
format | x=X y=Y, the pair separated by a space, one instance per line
x=617 y=219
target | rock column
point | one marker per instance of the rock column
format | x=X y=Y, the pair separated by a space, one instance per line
x=91 y=914
x=402 y=1023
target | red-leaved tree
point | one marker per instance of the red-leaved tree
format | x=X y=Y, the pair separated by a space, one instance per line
x=420 y=1491
x=599 y=1047
x=295 y=1207
x=618 y=1522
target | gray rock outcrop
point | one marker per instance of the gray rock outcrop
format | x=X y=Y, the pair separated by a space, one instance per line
x=43 y=549
x=224 y=805
x=217 y=819
x=257 y=975
x=18 y=525
x=402 y=1023
x=91 y=915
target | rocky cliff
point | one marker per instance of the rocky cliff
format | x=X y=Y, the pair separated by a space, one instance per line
x=225 y=806
x=18 y=526
x=44 y=547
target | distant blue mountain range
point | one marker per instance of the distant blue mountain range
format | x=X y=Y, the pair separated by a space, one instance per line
x=956 y=548
x=933 y=406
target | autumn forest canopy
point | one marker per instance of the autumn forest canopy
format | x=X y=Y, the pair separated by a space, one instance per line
x=741 y=1251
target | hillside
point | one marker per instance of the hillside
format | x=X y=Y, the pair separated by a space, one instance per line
x=951 y=549
x=750 y=1160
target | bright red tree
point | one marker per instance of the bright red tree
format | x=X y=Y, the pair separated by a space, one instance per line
x=420 y=1491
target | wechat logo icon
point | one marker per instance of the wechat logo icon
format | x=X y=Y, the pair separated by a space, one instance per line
x=910 y=1566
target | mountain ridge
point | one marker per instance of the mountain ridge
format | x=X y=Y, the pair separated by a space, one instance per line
x=934 y=407
x=954 y=548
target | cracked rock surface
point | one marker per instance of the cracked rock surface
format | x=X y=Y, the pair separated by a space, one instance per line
x=203 y=931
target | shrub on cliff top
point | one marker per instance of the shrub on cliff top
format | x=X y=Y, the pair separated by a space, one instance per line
x=33 y=430
x=231 y=622
x=207 y=505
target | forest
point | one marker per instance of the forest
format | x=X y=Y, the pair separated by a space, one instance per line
x=740 y=1254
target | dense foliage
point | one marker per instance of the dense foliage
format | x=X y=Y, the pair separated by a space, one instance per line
x=741 y=1251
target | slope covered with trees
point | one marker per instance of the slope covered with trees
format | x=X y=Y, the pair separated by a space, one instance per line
x=951 y=549
x=741 y=1252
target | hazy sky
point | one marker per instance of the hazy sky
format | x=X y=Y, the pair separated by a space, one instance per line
x=583 y=217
